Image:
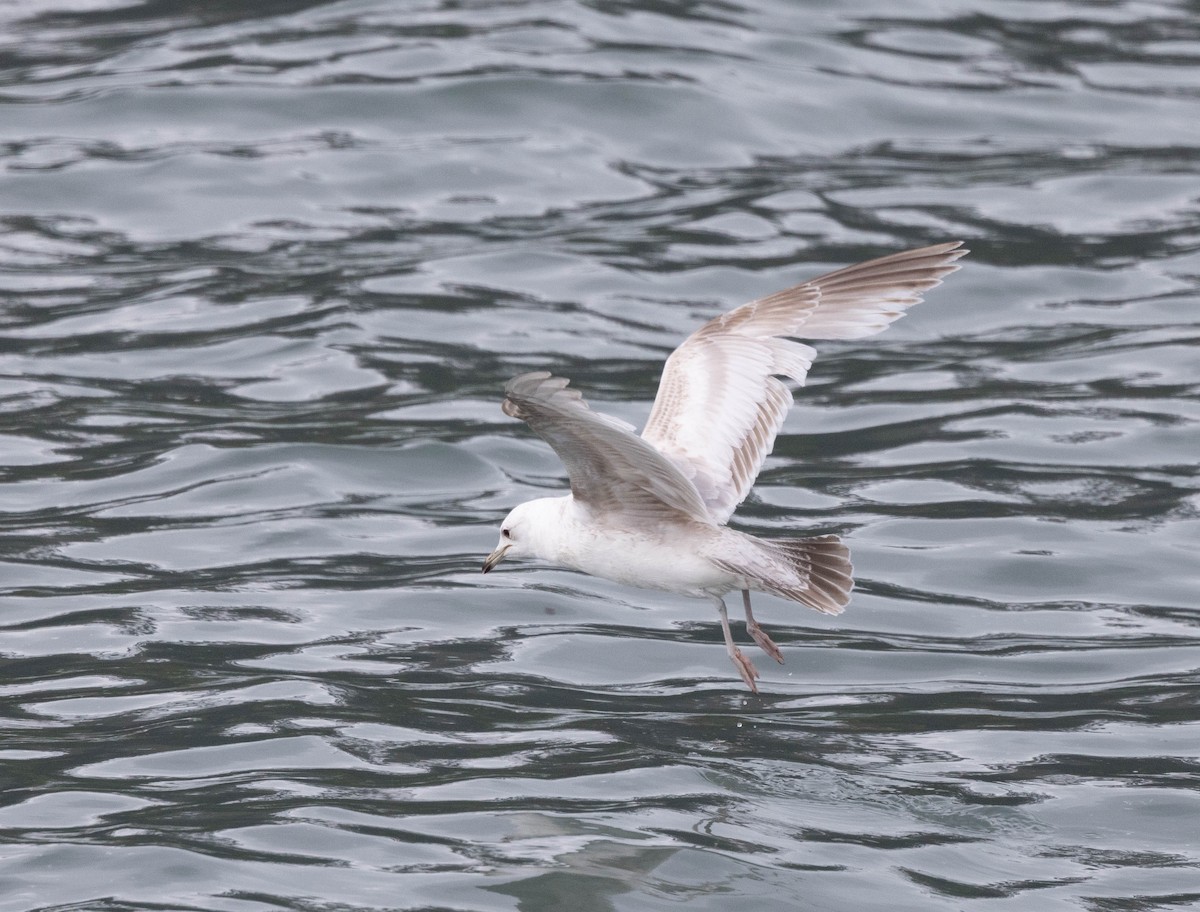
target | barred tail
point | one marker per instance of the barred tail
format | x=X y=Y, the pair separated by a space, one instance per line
x=823 y=572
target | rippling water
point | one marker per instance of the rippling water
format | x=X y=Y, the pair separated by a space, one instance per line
x=265 y=269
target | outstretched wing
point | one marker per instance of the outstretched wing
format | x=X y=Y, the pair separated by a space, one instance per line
x=720 y=402
x=611 y=469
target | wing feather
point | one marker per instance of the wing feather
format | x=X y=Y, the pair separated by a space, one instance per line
x=611 y=468
x=720 y=403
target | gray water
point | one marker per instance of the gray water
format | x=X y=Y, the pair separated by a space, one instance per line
x=264 y=271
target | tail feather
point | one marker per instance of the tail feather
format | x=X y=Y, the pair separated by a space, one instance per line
x=823 y=572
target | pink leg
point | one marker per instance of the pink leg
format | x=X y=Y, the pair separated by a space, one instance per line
x=744 y=666
x=765 y=643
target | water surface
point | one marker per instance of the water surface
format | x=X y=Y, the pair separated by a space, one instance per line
x=264 y=270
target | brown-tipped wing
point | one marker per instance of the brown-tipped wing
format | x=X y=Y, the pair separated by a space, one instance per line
x=720 y=402
x=612 y=470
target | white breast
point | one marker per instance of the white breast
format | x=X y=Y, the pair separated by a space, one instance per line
x=672 y=558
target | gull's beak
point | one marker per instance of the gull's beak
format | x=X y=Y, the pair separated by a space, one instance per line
x=496 y=556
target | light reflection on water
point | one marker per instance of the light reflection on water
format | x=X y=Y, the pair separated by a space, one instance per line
x=264 y=275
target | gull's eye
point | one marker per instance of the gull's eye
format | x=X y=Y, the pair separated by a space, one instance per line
x=506 y=533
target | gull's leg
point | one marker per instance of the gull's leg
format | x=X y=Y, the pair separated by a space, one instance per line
x=760 y=636
x=744 y=666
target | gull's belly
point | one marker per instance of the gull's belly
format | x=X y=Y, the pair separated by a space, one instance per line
x=652 y=562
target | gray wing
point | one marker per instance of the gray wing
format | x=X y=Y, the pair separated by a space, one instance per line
x=611 y=469
x=720 y=402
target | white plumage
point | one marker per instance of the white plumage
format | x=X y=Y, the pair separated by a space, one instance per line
x=651 y=510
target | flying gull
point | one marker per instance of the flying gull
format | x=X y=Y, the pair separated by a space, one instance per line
x=650 y=511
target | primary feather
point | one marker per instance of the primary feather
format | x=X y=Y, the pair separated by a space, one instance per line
x=721 y=401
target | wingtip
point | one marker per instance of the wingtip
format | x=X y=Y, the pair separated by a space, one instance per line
x=949 y=254
x=536 y=385
x=956 y=251
x=527 y=379
x=927 y=266
x=518 y=388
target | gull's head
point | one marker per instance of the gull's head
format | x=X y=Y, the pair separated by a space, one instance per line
x=525 y=530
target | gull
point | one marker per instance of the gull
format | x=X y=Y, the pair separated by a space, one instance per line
x=651 y=510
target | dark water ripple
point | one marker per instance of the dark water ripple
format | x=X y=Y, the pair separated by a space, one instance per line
x=264 y=270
